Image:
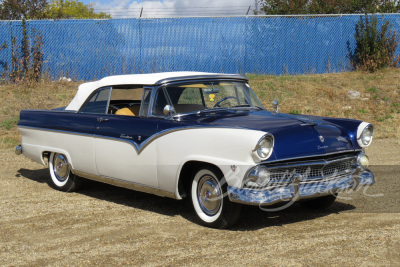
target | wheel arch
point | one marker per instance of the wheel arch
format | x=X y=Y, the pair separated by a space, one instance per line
x=46 y=155
x=186 y=173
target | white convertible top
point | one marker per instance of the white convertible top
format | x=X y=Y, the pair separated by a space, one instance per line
x=86 y=89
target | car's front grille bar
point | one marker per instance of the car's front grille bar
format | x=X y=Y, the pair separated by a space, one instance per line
x=315 y=171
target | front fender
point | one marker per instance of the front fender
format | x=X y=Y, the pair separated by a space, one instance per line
x=222 y=147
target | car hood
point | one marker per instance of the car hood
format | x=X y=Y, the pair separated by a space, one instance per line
x=295 y=136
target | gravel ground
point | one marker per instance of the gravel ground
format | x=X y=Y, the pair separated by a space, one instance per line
x=106 y=225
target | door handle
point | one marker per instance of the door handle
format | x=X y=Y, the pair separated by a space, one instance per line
x=102 y=120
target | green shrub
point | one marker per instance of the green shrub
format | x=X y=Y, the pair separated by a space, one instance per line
x=294 y=112
x=374 y=49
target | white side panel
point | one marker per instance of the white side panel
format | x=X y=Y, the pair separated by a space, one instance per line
x=222 y=147
x=79 y=149
x=119 y=159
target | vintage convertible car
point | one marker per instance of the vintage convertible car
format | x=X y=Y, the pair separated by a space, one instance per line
x=203 y=136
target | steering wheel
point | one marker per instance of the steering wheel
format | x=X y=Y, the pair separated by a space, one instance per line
x=223 y=99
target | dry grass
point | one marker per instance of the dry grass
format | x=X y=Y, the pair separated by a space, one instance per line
x=44 y=95
x=327 y=95
x=323 y=95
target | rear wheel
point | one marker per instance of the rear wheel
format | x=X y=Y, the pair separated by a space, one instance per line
x=208 y=195
x=61 y=176
x=319 y=203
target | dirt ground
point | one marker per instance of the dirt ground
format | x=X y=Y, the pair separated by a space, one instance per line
x=105 y=225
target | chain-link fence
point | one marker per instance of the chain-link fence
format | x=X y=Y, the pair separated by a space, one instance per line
x=91 y=49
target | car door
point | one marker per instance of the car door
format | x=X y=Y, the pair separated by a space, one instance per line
x=123 y=147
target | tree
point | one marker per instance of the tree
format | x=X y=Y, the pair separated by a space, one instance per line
x=42 y=9
x=19 y=9
x=282 y=7
x=375 y=49
x=59 y=9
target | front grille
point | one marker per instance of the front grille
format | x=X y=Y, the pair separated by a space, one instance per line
x=326 y=170
x=338 y=168
x=311 y=172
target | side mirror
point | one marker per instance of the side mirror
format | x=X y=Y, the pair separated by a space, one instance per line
x=275 y=105
x=169 y=111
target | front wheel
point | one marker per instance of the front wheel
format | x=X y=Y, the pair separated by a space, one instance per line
x=61 y=176
x=208 y=195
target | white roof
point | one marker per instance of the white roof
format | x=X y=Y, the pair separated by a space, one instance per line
x=86 y=89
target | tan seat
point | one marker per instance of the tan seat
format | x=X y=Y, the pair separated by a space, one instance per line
x=129 y=111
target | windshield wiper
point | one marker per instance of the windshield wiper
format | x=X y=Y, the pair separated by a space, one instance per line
x=227 y=108
x=246 y=106
x=210 y=110
x=240 y=106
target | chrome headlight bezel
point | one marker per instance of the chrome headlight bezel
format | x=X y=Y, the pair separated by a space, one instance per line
x=365 y=133
x=265 y=146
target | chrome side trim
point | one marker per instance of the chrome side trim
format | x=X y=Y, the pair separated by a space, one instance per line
x=54 y=131
x=145 y=143
x=138 y=147
x=126 y=184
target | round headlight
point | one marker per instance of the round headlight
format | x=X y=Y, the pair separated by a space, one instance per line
x=364 y=134
x=363 y=161
x=265 y=146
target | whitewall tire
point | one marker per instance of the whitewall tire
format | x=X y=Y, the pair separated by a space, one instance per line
x=61 y=176
x=210 y=201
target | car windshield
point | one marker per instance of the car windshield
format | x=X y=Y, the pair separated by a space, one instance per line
x=203 y=96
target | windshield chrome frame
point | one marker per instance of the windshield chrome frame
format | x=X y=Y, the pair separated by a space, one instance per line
x=208 y=79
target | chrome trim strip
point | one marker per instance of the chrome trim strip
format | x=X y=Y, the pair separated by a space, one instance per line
x=202 y=77
x=109 y=100
x=317 y=162
x=52 y=110
x=126 y=184
x=144 y=144
x=312 y=156
x=211 y=110
x=138 y=147
x=54 y=131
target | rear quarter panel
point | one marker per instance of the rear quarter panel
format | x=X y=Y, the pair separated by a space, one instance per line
x=63 y=132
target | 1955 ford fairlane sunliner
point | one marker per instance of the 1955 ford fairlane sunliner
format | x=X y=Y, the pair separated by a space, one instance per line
x=201 y=136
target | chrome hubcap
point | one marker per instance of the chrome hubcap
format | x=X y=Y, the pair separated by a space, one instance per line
x=60 y=167
x=209 y=195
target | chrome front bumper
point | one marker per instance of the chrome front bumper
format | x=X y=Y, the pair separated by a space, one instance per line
x=298 y=190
